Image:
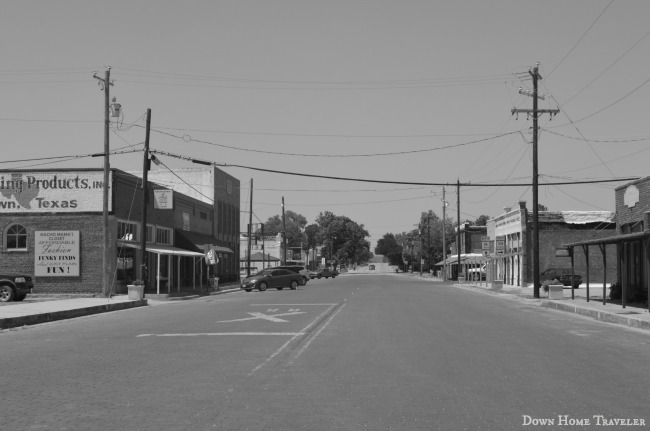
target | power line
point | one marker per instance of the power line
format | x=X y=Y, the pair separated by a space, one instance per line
x=226 y=165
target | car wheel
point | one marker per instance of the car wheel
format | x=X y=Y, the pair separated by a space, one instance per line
x=248 y=290
x=262 y=287
x=294 y=284
x=20 y=297
x=6 y=293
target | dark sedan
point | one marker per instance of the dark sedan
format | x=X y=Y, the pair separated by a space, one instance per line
x=563 y=275
x=278 y=278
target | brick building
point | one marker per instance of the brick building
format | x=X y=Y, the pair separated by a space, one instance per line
x=511 y=241
x=52 y=226
x=629 y=249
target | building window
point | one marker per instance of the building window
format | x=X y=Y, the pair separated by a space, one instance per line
x=127 y=231
x=163 y=236
x=16 y=237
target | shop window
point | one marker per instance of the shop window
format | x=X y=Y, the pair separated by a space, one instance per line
x=127 y=231
x=15 y=238
x=163 y=236
x=125 y=264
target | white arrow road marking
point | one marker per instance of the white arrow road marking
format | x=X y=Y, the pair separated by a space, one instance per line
x=272 y=318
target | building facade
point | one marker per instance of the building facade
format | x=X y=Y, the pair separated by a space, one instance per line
x=52 y=226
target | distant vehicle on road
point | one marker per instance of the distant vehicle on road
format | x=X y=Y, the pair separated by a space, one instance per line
x=563 y=275
x=15 y=287
x=271 y=277
x=371 y=267
x=324 y=272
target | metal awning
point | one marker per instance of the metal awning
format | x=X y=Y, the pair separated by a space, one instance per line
x=161 y=249
x=464 y=258
x=615 y=239
x=200 y=242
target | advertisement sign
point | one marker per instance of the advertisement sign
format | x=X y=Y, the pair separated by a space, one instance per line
x=163 y=199
x=52 y=191
x=56 y=253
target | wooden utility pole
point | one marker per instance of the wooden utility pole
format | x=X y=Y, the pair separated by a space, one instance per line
x=444 y=239
x=458 y=233
x=250 y=233
x=284 y=236
x=146 y=164
x=535 y=113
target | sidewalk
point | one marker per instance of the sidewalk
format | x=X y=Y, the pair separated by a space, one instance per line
x=49 y=308
x=635 y=315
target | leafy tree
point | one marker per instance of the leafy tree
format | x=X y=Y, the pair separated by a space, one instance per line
x=482 y=220
x=295 y=225
x=343 y=240
x=388 y=246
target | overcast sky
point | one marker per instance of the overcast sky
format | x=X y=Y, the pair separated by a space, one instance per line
x=395 y=91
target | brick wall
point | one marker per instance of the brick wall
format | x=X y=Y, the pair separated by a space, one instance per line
x=629 y=215
x=90 y=250
x=552 y=235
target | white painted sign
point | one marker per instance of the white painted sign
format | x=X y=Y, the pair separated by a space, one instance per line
x=52 y=191
x=56 y=253
x=163 y=199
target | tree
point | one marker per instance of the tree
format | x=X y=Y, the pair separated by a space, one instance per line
x=295 y=225
x=482 y=220
x=343 y=240
x=388 y=246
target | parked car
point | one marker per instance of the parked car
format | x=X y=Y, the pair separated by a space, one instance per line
x=326 y=272
x=371 y=267
x=299 y=269
x=272 y=277
x=477 y=274
x=15 y=287
x=563 y=275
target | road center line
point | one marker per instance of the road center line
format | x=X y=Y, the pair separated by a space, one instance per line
x=313 y=337
x=211 y=334
x=284 y=346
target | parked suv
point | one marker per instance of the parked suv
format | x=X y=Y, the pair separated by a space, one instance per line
x=477 y=274
x=563 y=275
x=299 y=269
x=15 y=287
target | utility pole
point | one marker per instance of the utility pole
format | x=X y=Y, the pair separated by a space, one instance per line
x=535 y=113
x=284 y=236
x=458 y=233
x=250 y=233
x=263 y=255
x=444 y=235
x=145 y=195
x=105 y=84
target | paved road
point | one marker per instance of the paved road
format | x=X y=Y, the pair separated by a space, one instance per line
x=355 y=353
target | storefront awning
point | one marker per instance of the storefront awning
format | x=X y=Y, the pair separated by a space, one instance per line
x=161 y=249
x=199 y=242
x=614 y=239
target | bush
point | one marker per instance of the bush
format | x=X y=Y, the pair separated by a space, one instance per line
x=615 y=291
x=547 y=283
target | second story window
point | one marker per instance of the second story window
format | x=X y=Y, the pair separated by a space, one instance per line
x=163 y=236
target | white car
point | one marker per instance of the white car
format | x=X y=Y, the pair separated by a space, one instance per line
x=476 y=274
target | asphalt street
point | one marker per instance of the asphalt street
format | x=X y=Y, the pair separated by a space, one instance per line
x=360 y=352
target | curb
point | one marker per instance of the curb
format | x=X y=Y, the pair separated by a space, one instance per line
x=13 y=322
x=598 y=315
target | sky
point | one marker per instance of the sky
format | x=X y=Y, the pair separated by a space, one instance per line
x=413 y=96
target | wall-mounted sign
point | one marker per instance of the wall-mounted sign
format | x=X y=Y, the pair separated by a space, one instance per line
x=52 y=191
x=56 y=253
x=163 y=199
x=631 y=196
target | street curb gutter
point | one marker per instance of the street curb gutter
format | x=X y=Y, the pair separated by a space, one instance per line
x=13 y=322
x=598 y=315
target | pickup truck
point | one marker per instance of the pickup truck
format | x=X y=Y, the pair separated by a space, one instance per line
x=15 y=287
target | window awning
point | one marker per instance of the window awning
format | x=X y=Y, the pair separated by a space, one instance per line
x=199 y=241
x=161 y=249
